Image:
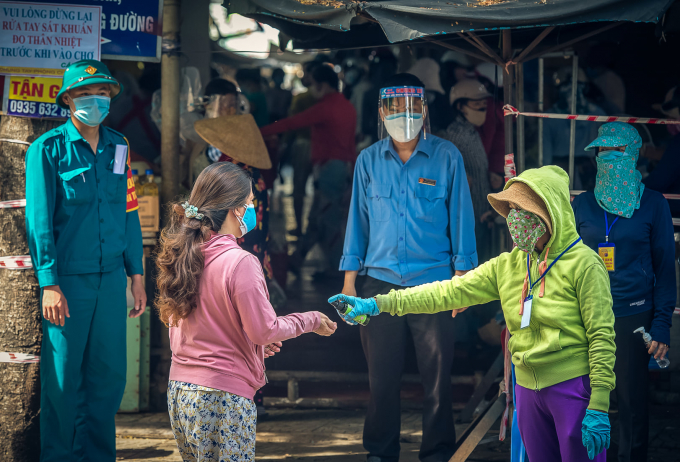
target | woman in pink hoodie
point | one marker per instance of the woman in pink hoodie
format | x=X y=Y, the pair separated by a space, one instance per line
x=213 y=296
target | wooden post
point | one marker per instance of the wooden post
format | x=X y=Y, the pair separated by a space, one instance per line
x=20 y=316
x=170 y=102
x=170 y=180
x=293 y=390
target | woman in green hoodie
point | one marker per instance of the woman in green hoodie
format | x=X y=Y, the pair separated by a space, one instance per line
x=558 y=308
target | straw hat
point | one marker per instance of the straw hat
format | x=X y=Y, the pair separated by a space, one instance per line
x=238 y=137
x=522 y=196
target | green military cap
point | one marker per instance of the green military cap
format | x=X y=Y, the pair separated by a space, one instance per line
x=87 y=72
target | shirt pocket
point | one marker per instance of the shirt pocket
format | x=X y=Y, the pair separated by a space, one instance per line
x=379 y=201
x=430 y=203
x=116 y=185
x=76 y=189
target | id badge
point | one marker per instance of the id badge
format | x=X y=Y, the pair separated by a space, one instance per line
x=120 y=159
x=607 y=253
x=526 y=315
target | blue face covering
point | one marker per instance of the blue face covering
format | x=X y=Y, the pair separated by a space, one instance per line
x=249 y=220
x=91 y=110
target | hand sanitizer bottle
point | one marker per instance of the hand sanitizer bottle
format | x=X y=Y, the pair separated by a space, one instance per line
x=663 y=363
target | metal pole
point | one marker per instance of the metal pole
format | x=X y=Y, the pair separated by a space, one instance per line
x=541 y=90
x=506 y=243
x=507 y=89
x=572 y=134
x=170 y=102
x=519 y=85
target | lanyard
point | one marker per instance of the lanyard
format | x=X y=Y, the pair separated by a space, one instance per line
x=608 y=229
x=531 y=285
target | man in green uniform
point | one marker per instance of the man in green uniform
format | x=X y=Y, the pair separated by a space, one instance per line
x=84 y=236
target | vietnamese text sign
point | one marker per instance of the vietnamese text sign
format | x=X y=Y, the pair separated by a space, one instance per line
x=43 y=39
x=33 y=97
x=131 y=29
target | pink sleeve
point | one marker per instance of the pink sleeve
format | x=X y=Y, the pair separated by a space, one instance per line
x=251 y=300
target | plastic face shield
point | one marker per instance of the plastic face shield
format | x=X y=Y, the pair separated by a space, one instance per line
x=403 y=113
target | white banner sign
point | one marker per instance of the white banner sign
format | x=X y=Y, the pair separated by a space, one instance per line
x=42 y=39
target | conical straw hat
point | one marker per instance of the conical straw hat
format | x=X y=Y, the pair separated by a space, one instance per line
x=238 y=137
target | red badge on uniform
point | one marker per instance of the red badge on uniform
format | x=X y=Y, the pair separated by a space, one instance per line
x=132 y=204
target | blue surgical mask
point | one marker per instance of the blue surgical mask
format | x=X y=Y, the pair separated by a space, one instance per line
x=249 y=220
x=91 y=110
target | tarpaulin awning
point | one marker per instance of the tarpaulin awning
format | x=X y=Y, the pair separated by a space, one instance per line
x=403 y=20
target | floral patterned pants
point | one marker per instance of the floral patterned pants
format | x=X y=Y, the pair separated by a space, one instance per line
x=211 y=425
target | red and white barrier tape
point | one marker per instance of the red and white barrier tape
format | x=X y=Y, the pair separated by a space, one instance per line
x=509 y=167
x=17 y=204
x=22 y=262
x=18 y=358
x=510 y=111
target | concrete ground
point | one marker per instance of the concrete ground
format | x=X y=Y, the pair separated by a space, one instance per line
x=332 y=435
x=302 y=435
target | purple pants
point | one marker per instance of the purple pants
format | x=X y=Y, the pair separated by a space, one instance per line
x=550 y=421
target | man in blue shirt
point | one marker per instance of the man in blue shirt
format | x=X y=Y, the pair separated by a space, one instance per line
x=84 y=237
x=410 y=222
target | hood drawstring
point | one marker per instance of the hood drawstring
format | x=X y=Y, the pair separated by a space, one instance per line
x=525 y=289
x=542 y=268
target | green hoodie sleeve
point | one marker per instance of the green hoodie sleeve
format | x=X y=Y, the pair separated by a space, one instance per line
x=598 y=320
x=474 y=288
x=41 y=190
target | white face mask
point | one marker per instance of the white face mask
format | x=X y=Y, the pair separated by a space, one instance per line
x=475 y=116
x=403 y=126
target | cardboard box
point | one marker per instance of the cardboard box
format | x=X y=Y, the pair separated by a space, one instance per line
x=149 y=213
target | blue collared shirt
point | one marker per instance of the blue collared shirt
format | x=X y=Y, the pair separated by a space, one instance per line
x=410 y=223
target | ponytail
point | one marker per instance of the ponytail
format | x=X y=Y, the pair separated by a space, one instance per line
x=219 y=188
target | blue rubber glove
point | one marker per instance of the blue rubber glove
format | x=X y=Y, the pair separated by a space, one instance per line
x=367 y=306
x=595 y=432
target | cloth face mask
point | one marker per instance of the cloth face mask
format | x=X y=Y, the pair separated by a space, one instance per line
x=404 y=126
x=249 y=220
x=92 y=110
x=619 y=186
x=525 y=229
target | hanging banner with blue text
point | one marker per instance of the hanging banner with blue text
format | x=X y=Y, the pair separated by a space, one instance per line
x=42 y=39
x=131 y=29
x=33 y=97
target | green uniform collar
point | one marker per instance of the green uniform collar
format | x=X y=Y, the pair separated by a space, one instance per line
x=72 y=134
